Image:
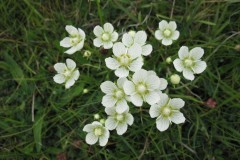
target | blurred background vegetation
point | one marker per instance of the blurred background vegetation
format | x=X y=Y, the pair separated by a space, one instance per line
x=41 y=120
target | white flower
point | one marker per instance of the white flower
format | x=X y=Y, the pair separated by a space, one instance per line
x=115 y=95
x=125 y=59
x=75 y=40
x=96 y=132
x=190 y=62
x=167 y=111
x=143 y=87
x=105 y=36
x=140 y=38
x=167 y=32
x=67 y=74
x=118 y=121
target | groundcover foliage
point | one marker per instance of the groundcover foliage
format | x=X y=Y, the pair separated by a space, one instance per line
x=40 y=119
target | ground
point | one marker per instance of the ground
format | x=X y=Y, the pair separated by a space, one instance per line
x=40 y=119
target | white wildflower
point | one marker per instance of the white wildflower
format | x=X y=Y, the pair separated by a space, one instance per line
x=140 y=38
x=167 y=111
x=67 y=74
x=125 y=59
x=118 y=121
x=96 y=132
x=75 y=40
x=143 y=87
x=167 y=32
x=189 y=62
x=115 y=95
x=105 y=36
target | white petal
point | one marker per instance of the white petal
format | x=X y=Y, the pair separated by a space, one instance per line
x=69 y=83
x=199 y=67
x=60 y=67
x=163 y=84
x=79 y=46
x=177 y=118
x=166 y=42
x=178 y=65
x=183 y=52
x=107 y=45
x=163 y=100
x=59 y=78
x=110 y=123
x=119 y=49
x=152 y=97
x=176 y=103
x=71 y=50
x=76 y=75
x=114 y=37
x=98 y=31
x=70 y=64
x=112 y=63
x=108 y=87
x=104 y=139
x=91 y=138
x=147 y=49
x=121 y=72
x=135 y=51
x=97 y=42
x=108 y=101
x=88 y=128
x=122 y=106
x=140 y=76
x=129 y=87
x=196 y=53
x=154 y=111
x=152 y=82
x=162 y=124
x=136 y=64
x=108 y=27
x=158 y=35
x=150 y=73
x=71 y=30
x=163 y=25
x=97 y=124
x=110 y=110
x=82 y=33
x=121 y=128
x=140 y=37
x=172 y=25
x=127 y=40
x=175 y=35
x=129 y=119
x=120 y=82
x=137 y=100
x=65 y=42
x=188 y=74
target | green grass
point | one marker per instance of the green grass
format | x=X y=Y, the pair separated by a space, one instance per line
x=41 y=120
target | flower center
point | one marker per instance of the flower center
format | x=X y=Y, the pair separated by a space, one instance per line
x=167 y=32
x=67 y=73
x=124 y=59
x=105 y=37
x=188 y=62
x=98 y=131
x=75 y=40
x=119 y=94
x=166 y=111
x=120 y=117
x=141 y=88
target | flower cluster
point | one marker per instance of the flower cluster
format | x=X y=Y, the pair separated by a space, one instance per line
x=135 y=86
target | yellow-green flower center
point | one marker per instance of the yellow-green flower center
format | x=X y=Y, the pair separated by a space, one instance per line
x=167 y=32
x=141 y=88
x=124 y=60
x=67 y=73
x=75 y=39
x=120 y=117
x=119 y=94
x=166 y=111
x=105 y=37
x=188 y=62
x=98 y=131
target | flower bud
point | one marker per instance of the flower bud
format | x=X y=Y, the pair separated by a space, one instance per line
x=85 y=91
x=87 y=54
x=237 y=47
x=102 y=121
x=132 y=33
x=175 y=79
x=169 y=60
x=96 y=116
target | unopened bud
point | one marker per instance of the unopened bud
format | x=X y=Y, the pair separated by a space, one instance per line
x=169 y=60
x=175 y=79
x=132 y=33
x=85 y=91
x=102 y=121
x=96 y=116
x=87 y=54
